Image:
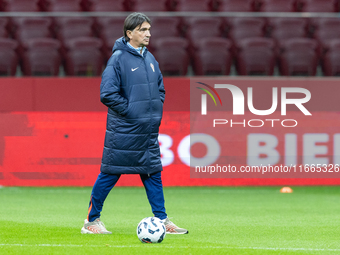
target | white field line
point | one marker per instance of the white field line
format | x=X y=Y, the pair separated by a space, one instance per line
x=170 y=246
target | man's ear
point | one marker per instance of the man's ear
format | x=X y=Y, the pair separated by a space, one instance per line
x=129 y=33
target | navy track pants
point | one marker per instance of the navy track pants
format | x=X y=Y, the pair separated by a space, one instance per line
x=105 y=182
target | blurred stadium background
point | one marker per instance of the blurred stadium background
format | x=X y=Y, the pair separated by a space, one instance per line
x=204 y=37
x=52 y=53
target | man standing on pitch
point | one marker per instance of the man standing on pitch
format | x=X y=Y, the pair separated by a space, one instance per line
x=132 y=89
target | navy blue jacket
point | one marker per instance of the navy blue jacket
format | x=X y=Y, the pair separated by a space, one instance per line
x=132 y=89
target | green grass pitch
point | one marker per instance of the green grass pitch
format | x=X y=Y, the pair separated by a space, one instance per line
x=220 y=220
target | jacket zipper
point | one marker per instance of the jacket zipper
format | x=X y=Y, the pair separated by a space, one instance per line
x=150 y=128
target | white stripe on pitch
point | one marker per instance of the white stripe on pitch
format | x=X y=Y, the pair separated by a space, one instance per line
x=170 y=246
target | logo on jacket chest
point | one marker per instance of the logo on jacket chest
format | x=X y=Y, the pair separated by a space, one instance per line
x=151 y=65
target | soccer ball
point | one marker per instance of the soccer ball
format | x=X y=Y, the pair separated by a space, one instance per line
x=151 y=230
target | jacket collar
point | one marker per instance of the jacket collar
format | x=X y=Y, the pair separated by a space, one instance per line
x=121 y=44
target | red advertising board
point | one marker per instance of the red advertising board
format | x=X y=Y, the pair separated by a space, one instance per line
x=52 y=134
x=285 y=128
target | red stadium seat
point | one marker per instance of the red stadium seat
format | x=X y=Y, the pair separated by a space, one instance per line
x=277 y=6
x=83 y=57
x=256 y=56
x=41 y=57
x=326 y=29
x=287 y=28
x=235 y=6
x=21 y=6
x=193 y=5
x=212 y=56
x=318 y=5
x=72 y=27
x=28 y=28
x=300 y=56
x=245 y=28
x=3 y=30
x=148 y=5
x=107 y=47
x=62 y=5
x=8 y=57
x=106 y=6
x=202 y=27
x=109 y=30
x=172 y=55
x=163 y=27
x=331 y=60
x=35 y=27
x=109 y=27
